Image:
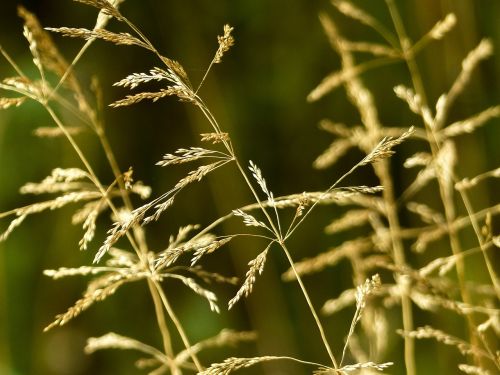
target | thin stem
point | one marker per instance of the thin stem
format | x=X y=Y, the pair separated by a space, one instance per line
x=230 y=149
x=162 y=324
x=90 y=170
x=323 y=196
x=71 y=66
x=309 y=303
x=12 y=62
x=205 y=76
x=177 y=324
x=400 y=261
x=482 y=244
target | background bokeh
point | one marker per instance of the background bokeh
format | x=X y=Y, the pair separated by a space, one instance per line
x=258 y=94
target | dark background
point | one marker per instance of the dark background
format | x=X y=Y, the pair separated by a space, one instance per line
x=258 y=95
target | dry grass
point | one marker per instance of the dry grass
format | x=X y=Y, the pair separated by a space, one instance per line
x=383 y=249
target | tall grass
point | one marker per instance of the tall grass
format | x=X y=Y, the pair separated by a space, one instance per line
x=383 y=274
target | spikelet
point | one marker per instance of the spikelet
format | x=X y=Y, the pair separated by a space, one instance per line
x=33 y=49
x=103 y=18
x=353 y=368
x=426 y=214
x=362 y=189
x=182 y=234
x=256 y=268
x=335 y=151
x=351 y=219
x=135 y=79
x=208 y=249
x=384 y=149
x=63 y=200
x=112 y=340
x=89 y=225
x=329 y=258
x=352 y=11
x=226 y=337
x=473 y=370
x=445 y=164
x=184 y=155
x=209 y=277
x=248 y=219
x=408 y=95
x=373 y=48
x=423 y=178
x=119 y=229
x=54 y=132
x=60 y=180
x=24 y=85
x=100 y=290
x=444 y=265
x=257 y=174
x=471 y=124
x=174 y=74
x=467 y=183
x=335 y=128
x=482 y=51
x=160 y=208
x=232 y=364
x=103 y=34
x=428 y=332
x=195 y=287
x=442 y=27
x=419 y=159
x=107 y=7
x=215 y=137
x=177 y=69
x=169 y=256
x=346 y=298
x=198 y=174
x=11 y=102
x=225 y=43
x=180 y=92
x=332 y=81
x=426 y=237
x=80 y=271
x=363 y=292
x=49 y=55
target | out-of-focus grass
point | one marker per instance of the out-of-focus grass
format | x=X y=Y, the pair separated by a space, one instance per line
x=258 y=93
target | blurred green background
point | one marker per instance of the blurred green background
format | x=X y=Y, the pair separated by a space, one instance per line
x=258 y=94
